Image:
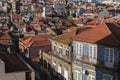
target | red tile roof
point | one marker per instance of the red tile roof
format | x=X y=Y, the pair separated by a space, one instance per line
x=17 y=16
x=41 y=43
x=40 y=40
x=102 y=34
x=101 y=20
x=20 y=25
x=5 y=36
x=28 y=41
x=66 y=37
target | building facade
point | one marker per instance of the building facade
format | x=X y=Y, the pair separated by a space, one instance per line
x=96 y=58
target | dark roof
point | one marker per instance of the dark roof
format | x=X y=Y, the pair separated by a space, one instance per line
x=13 y=63
x=105 y=34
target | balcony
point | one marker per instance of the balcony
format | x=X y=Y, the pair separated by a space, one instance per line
x=62 y=57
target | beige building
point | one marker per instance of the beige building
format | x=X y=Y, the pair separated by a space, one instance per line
x=61 y=49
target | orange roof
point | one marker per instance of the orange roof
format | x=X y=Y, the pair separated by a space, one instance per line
x=101 y=20
x=41 y=37
x=107 y=34
x=17 y=16
x=35 y=20
x=66 y=37
x=4 y=42
x=69 y=29
x=41 y=43
x=20 y=25
x=40 y=40
x=28 y=41
x=6 y=36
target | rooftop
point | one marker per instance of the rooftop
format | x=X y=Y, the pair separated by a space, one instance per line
x=106 y=34
x=13 y=63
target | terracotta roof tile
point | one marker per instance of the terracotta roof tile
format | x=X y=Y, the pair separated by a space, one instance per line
x=40 y=40
x=5 y=36
x=28 y=41
x=102 y=34
x=66 y=37
x=41 y=43
x=101 y=20
x=20 y=25
x=17 y=16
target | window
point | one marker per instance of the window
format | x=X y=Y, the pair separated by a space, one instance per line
x=106 y=77
x=65 y=74
x=59 y=69
x=91 y=77
x=67 y=53
x=60 y=50
x=54 y=48
x=77 y=75
x=92 y=74
x=79 y=49
x=93 y=52
x=85 y=50
x=109 y=55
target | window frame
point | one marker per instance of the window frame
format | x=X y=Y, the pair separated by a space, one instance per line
x=67 y=52
x=111 y=77
x=108 y=55
x=93 y=52
x=79 y=49
x=79 y=72
x=60 y=49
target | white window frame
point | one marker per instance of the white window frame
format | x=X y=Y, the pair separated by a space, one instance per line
x=78 y=72
x=59 y=69
x=91 y=77
x=66 y=77
x=107 y=57
x=60 y=47
x=93 y=53
x=54 y=45
x=107 y=76
x=79 y=49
